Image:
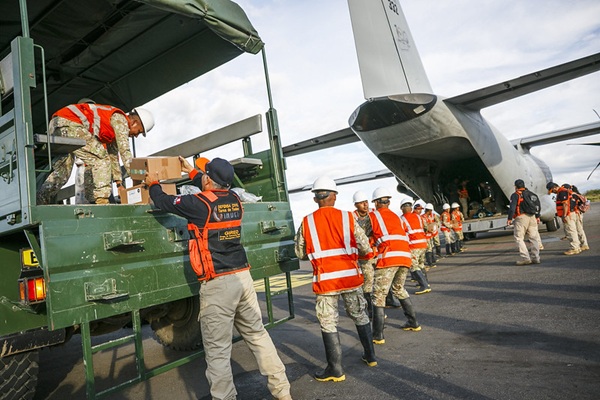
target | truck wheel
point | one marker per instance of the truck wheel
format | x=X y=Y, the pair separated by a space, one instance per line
x=552 y=225
x=180 y=329
x=18 y=375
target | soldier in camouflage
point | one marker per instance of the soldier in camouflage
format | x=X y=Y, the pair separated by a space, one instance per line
x=106 y=131
x=366 y=263
x=331 y=239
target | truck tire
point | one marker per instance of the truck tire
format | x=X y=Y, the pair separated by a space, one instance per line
x=19 y=375
x=552 y=225
x=179 y=329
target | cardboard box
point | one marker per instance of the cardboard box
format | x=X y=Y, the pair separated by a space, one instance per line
x=139 y=195
x=165 y=167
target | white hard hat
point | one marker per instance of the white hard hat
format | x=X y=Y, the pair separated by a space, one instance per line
x=85 y=100
x=146 y=117
x=429 y=206
x=359 y=197
x=406 y=200
x=455 y=205
x=381 y=192
x=324 y=183
x=420 y=203
x=446 y=206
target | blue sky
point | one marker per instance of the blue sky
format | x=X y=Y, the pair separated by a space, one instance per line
x=464 y=45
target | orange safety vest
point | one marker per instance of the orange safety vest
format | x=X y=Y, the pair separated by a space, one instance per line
x=216 y=249
x=519 y=193
x=463 y=193
x=94 y=117
x=446 y=220
x=457 y=217
x=560 y=211
x=429 y=220
x=331 y=249
x=416 y=233
x=392 y=243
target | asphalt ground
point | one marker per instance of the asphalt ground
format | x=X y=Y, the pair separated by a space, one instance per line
x=491 y=330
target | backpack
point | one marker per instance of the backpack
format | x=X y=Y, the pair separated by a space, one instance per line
x=581 y=202
x=530 y=203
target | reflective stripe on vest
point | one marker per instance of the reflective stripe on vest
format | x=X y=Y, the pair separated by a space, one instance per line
x=331 y=249
x=416 y=233
x=393 y=248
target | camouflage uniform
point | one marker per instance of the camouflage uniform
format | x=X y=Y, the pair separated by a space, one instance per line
x=102 y=163
x=386 y=278
x=327 y=304
x=367 y=266
x=417 y=258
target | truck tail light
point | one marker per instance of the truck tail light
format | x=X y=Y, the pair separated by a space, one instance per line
x=32 y=290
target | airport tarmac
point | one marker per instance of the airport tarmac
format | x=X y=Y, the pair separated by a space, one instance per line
x=491 y=330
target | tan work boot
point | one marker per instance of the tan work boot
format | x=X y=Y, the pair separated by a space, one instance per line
x=102 y=200
x=571 y=252
x=523 y=262
x=584 y=248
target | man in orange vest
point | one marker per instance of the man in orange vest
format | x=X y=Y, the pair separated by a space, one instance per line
x=332 y=240
x=566 y=209
x=227 y=295
x=524 y=223
x=417 y=243
x=457 y=226
x=431 y=222
x=366 y=263
x=446 y=228
x=106 y=131
x=393 y=263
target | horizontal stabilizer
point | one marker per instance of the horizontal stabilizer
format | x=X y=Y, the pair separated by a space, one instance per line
x=557 y=136
x=498 y=93
x=337 y=138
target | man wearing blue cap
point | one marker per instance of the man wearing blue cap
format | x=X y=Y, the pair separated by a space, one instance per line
x=227 y=295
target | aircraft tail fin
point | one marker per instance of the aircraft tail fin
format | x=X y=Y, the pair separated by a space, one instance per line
x=388 y=58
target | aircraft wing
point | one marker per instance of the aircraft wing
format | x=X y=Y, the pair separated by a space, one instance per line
x=557 y=136
x=384 y=173
x=337 y=138
x=498 y=93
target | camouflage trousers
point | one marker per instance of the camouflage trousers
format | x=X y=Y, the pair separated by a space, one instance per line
x=97 y=177
x=449 y=236
x=386 y=278
x=459 y=235
x=368 y=270
x=327 y=309
x=417 y=258
x=436 y=239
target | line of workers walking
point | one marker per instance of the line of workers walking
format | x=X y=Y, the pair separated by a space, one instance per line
x=364 y=257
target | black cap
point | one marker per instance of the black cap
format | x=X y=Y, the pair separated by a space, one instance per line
x=220 y=171
x=550 y=185
x=566 y=186
x=519 y=183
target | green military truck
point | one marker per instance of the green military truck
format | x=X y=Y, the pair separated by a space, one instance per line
x=79 y=270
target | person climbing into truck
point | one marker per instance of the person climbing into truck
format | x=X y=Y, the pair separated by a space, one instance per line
x=106 y=131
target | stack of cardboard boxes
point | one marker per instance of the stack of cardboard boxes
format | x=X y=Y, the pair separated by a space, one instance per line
x=159 y=168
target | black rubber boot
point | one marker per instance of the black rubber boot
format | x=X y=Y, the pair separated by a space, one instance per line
x=392 y=301
x=454 y=248
x=333 y=352
x=428 y=259
x=366 y=339
x=369 y=305
x=378 y=324
x=448 y=251
x=438 y=251
x=411 y=316
x=423 y=284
